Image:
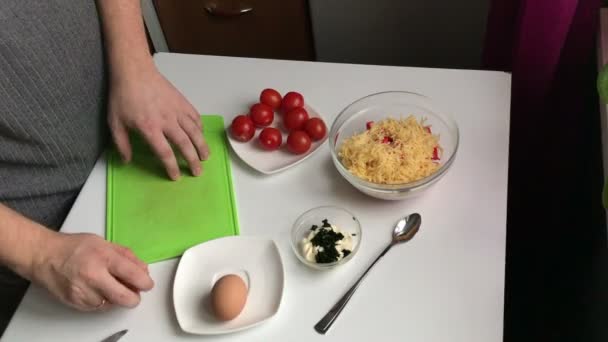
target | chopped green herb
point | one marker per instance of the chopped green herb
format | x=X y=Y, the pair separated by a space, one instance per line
x=327 y=256
x=326 y=238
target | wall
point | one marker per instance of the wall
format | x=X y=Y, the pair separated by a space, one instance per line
x=431 y=33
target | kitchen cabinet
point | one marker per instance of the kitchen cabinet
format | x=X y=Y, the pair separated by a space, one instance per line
x=247 y=28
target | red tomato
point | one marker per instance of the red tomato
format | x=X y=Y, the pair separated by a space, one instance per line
x=262 y=115
x=435 y=153
x=295 y=119
x=292 y=100
x=270 y=138
x=242 y=128
x=387 y=140
x=271 y=98
x=298 y=142
x=315 y=128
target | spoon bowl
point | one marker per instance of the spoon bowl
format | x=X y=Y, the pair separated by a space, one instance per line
x=406 y=228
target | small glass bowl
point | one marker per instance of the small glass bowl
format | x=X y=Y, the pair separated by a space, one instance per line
x=352 y=120
x=341 y=218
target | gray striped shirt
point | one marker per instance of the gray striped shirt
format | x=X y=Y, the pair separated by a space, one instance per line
x=52 y=108
x=52 y=104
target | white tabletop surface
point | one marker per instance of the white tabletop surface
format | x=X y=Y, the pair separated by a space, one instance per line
x=447 y=284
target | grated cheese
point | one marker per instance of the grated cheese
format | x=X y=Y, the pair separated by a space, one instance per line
x=392 y=151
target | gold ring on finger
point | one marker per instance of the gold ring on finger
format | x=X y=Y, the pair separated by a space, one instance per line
x=101 y=305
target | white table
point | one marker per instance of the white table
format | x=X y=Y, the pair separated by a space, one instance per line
x=445 y=285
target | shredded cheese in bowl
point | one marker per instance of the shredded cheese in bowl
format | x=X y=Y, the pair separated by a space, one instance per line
x=392 y=151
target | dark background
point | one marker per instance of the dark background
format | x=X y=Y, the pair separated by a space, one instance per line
x=557 y=256
x=557 y=261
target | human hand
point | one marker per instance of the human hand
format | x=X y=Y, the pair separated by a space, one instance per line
x=151 y=105
x=84 y=271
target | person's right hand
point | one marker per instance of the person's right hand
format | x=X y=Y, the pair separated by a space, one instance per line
x=85 y=272
x=149 y=104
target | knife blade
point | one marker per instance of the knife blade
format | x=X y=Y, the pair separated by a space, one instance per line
x=115 y=337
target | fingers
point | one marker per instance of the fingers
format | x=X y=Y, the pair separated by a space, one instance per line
x=195 y=133
x=84 y=298
x=196 y=137
x=130 y=274
x=117 y=293
x=177 y=135
x=127 y=253
x=93 y=300
x=181 y=127
x=163 y=151
x=193 y=114
x=120 y=135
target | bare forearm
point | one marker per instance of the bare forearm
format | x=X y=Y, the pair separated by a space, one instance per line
x=20 y=241
x=141 y=99
x=125 y=38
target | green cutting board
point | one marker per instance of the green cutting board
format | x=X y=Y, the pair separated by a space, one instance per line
x=158 y=218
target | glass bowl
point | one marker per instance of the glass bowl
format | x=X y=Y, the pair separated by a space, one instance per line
x=396 y=104
x=341 y=218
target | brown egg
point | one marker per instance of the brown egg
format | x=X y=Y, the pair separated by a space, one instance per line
x=228 y=297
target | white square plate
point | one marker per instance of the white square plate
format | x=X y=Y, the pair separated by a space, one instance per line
x=270 y=162
x=257 y=261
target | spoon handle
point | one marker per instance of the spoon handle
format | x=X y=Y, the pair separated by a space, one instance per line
x=325 y=323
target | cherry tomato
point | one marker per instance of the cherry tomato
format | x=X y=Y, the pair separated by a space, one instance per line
x=315 y=128
x=295 y=119
x=270 y=138
x=262 y=115
x=271 y=97
x=298 y=142
x=242 y=128
x=292 y=100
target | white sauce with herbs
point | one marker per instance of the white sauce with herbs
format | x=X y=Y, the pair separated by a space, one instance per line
x=310 y=251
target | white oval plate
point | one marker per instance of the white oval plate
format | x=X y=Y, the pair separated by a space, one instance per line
x=257 y=261
x=270 y=162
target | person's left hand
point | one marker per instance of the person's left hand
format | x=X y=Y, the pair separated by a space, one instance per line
x=151 y=105
x=86 y=272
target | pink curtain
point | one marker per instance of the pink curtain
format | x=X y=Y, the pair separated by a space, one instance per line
x=532 y=38
x=549 y=47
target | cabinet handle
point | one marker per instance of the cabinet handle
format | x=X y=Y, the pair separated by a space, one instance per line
x=215 y=9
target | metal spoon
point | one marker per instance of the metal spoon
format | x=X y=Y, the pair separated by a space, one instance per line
x=405 y=230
